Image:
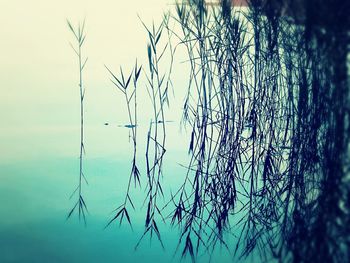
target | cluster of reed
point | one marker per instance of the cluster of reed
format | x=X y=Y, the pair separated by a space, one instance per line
x=268 y=107
x=158 y=85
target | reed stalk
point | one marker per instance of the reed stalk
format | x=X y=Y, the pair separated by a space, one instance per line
x=79 y=38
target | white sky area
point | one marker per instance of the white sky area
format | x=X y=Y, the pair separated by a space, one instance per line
x=39 y=93
x=39 y=71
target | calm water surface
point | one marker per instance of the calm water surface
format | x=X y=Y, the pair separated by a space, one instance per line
x=35 y=203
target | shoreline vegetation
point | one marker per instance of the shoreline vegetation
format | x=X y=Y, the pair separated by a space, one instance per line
x=267 y=106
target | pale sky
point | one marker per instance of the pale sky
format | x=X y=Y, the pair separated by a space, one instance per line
x=39 y=76
x=38 y=69
x=37 y=65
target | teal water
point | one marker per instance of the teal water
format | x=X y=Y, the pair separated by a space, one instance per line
x=35 y=192
x=35 y=203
